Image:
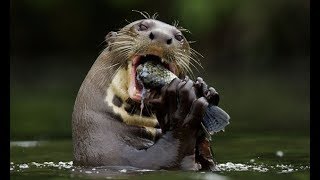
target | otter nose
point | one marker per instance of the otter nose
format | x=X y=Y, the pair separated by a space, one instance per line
x=160 y=36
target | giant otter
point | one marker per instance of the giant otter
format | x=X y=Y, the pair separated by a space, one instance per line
x=108 y=126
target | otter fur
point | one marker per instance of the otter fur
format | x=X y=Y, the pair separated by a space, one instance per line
x=109 y=125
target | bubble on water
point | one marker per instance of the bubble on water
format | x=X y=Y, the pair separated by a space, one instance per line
x=252 y=160
x=93 y=169
x=260 y=169
x=123 y=170
x=279 y=153
x=88 y=172
x=36 y=164
x=287 y=170
x=23 y=166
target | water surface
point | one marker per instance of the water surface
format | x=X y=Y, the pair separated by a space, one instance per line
x=248 y=156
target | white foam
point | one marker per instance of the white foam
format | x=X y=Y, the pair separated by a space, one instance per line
x=123 y=170
x=144 y=170
x=229 y=166
x=23 y=166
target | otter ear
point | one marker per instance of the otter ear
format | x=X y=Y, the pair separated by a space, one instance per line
x=110 y=37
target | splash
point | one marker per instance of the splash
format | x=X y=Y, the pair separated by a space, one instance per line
x=223 y=167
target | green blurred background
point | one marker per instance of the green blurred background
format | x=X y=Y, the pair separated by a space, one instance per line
x=256 y=55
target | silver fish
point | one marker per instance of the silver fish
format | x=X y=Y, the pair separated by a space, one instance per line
x=155 y=75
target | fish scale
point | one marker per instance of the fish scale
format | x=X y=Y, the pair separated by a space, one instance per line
x=153 y=75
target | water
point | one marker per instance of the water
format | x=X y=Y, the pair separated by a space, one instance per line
x=238 y=157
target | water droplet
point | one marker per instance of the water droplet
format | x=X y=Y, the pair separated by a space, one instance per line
x=279 y=153
x=123 y=170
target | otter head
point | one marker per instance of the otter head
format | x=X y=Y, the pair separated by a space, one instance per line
x=149 y=40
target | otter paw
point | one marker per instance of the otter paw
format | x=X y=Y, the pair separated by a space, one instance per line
x=209 y=93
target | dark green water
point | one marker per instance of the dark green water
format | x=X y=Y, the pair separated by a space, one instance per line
x=247 y=156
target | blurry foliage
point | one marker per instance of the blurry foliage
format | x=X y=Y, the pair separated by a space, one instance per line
x=256 y=54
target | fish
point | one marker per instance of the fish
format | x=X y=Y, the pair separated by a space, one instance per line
x=153 y=75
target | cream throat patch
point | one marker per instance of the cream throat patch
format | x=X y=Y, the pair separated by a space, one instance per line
x=119 y=88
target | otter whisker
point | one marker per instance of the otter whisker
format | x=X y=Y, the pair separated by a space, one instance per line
x=196 y=52
x=148 y=110
x=116 y=71
x=120 y=48
x=127 y=33
x=191 y=42
x=176 y=23
x=194 y=66
x=186 y=62
x=192 y=59
x=122 y=55
x=127 y=21
x=155 y=15
x=143 y=13
x=108 y=67
x=104 y=41
x=103 y=68
x=141 y=49
x=186 y=69
x=122 y=52
x=184 y=30
x=123 y=43
x=148 y=15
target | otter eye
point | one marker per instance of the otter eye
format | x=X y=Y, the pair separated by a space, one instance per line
x=178 y=37
x=142 y=27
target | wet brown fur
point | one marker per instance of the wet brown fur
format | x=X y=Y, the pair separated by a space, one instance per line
x=104 y=131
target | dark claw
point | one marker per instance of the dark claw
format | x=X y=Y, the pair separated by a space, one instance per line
x=209 y=93
x=212 y=96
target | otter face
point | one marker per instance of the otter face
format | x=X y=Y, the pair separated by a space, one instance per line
x=150 y=40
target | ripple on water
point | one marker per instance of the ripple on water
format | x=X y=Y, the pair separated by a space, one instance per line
x=25 y=144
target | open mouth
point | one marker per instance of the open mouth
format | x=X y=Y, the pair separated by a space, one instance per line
x=135 y=89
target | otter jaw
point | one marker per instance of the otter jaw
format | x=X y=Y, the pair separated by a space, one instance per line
x=159 y=39
x=134 y=89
